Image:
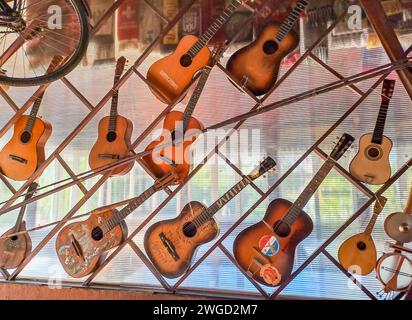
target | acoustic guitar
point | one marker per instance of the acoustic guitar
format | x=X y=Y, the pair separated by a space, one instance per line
x=171 y=244
x=266 y=250
x=24 y=153
x=257 y=65
x=80 y=246
x=172 y=74
x=371 y=164
x=398 y=225
x=14 y=249
x=114 y=138
x=177 y=126
x=358 y=253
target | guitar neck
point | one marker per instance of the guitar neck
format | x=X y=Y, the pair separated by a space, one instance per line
x=195 y=97
x=371 y=223
x=222 y=201
x=113 y=108
x=380 y=122
x=33 y=113
x=214 y=28
x=408 y=208
x=290 y=21
x=309 y=191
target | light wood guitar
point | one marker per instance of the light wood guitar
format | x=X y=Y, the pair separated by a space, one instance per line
x=171 y=244
x=371 y=164
x=80 y=246
x=266 y=250
x=24 y=153
x=358 y=253
x=114 y=138
x=257 y=65
x=14 y=249
x=177 y=126
x=172 y=74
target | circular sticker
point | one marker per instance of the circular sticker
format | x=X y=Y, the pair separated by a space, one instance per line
x=269 y=245
x=270 y=275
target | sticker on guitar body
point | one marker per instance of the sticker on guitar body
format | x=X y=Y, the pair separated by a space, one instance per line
x=269 y=245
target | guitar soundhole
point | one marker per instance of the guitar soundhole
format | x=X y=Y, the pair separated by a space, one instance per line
x=111 y=136
x=361 y=246
x=282 y=229
x=14 y=238
x=270 y=47
x=97 y=234
x=373 y=153
x=189 y=230
x=186 y=60
x=25 y=137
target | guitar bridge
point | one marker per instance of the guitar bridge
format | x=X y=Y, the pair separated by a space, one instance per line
x=109 y=156
x=169 y=246
x=18 y=159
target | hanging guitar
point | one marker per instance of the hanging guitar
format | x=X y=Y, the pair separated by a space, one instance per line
x=171 y=244
x=24 y=153
x=257 y=65
x=177 y=126
x=394 y=270
x=398 y=225
x=266 y=250
x=358 y=253
x=172 y=74
x=115 y=132
x=81 y=245
x=14 y=249
x=371 y=164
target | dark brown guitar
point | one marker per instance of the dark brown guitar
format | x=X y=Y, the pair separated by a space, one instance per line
x=266 y=250
x=257 y=65
x=172 y=244
x=14 y=249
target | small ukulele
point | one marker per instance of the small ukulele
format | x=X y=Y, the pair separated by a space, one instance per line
x=14 y=249
x=81 y=245
x=266 y=250
x=114 y=138
x=371 y=164
x=176 y=156
x=358 y=253
x=398 y=225
x=257 y=65
x=172 y=244
x=172 y=74
x=24 y=153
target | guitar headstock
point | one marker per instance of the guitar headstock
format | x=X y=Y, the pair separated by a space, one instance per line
x=120 y=65
x=32 y=189
x=267 y=165
x=387 y=89
x=342 y=146
x=379 y=204
x=171 y=178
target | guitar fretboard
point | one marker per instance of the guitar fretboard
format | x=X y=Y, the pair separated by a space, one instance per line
x=33 y=114
x=214 y=28
x=290 y=21
x=115 y=98
x=309 y=191
x=380 y=123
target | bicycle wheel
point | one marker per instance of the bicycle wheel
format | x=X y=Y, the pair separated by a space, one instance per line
x=34 y=32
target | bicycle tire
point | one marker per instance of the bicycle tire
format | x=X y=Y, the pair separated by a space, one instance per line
x=71 y=64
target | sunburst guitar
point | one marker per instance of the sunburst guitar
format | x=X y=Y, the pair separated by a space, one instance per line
x=114 y=138
x=371 y=164
x=170 y=76
x=358 y=253
x=257 y=65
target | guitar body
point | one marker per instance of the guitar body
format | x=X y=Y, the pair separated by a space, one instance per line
x=27 y=150
x=371 y=164
x=182 y=245
x=179 y=153
x=168 y=75
x=265 y=255
x=358 y=254
x=79 y=252
x=109 y=149
x=14 y=250
x=257 y=65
